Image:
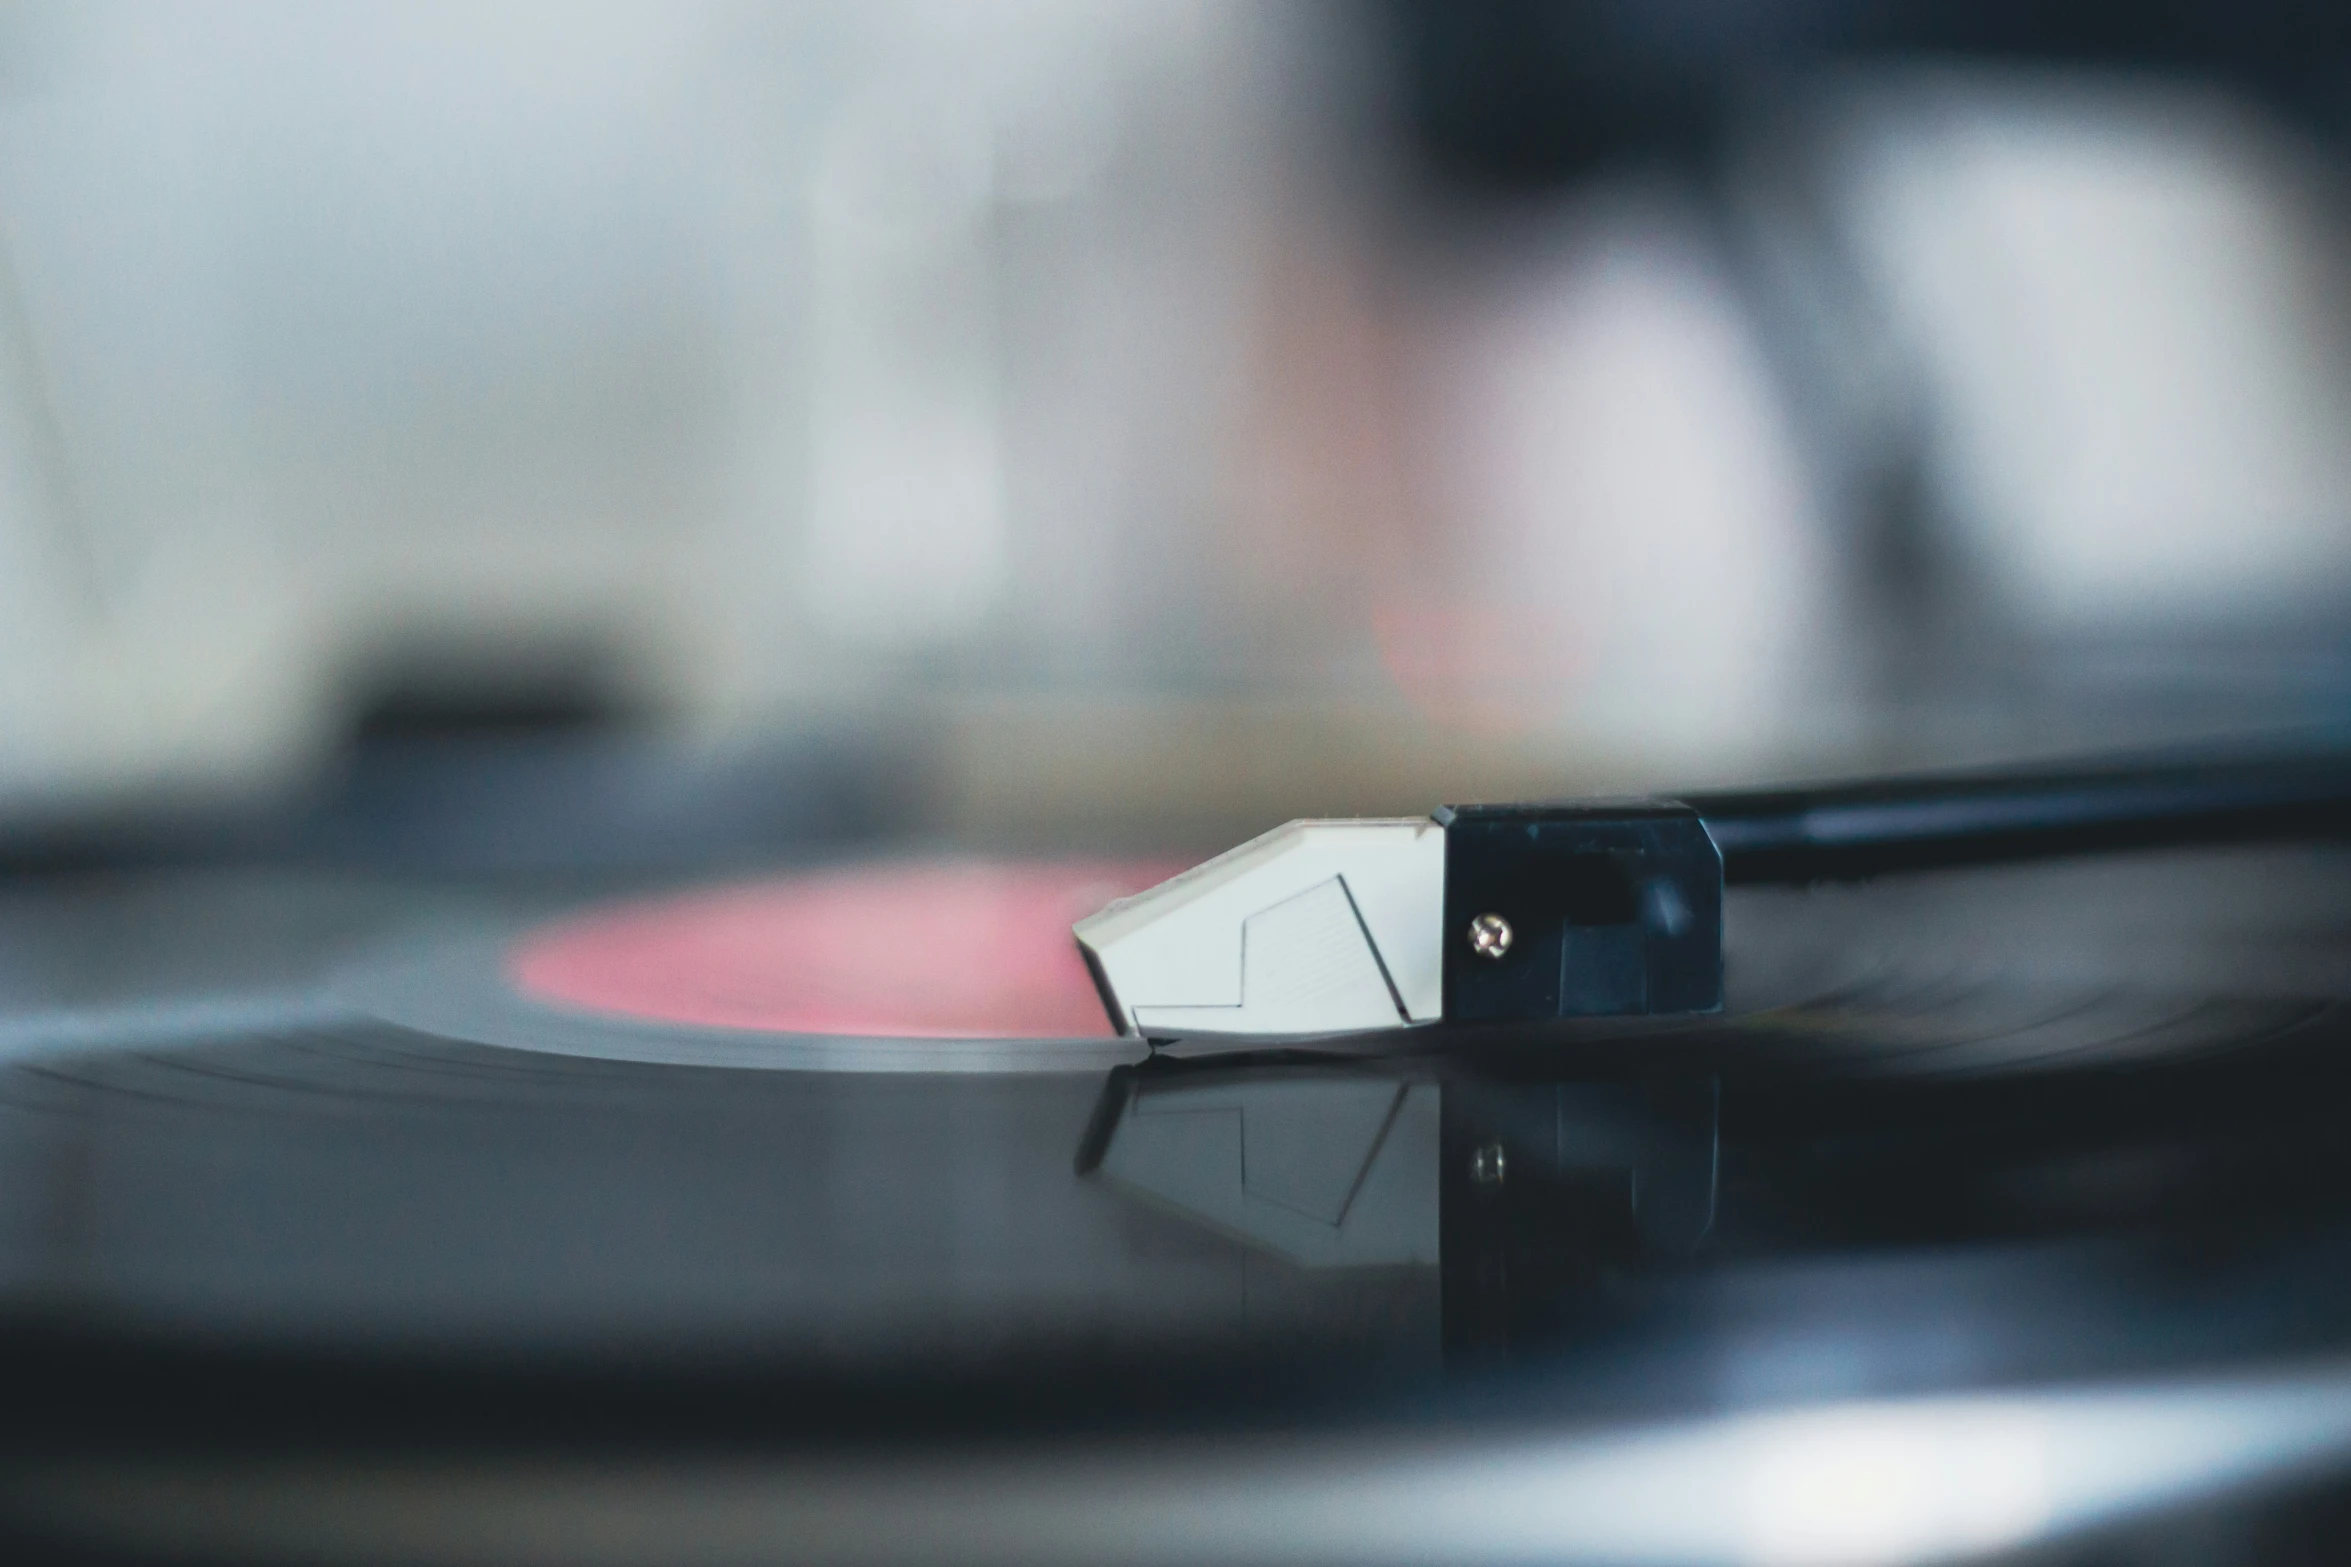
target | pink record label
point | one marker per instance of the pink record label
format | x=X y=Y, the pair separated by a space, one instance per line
x=954 y=949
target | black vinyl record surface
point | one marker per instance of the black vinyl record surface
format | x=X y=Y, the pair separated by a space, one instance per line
x=324 y=1236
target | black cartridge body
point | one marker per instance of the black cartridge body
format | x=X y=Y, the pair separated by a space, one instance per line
x=1602 y=910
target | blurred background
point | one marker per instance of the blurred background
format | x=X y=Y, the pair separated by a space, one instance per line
x=1045 y=420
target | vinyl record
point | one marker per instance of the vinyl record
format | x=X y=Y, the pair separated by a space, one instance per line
x=836 y=1167
x=851 y=1111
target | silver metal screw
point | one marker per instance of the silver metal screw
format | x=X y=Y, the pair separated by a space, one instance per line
x=1487 y=1166
x=1490 y=936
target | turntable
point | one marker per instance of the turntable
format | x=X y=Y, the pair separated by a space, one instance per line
x=1926 y=1169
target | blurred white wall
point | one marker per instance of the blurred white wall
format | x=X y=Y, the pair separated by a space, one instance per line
x=1629 y=543
x=2125 y=309
x=794 y=359
x=780 y=351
